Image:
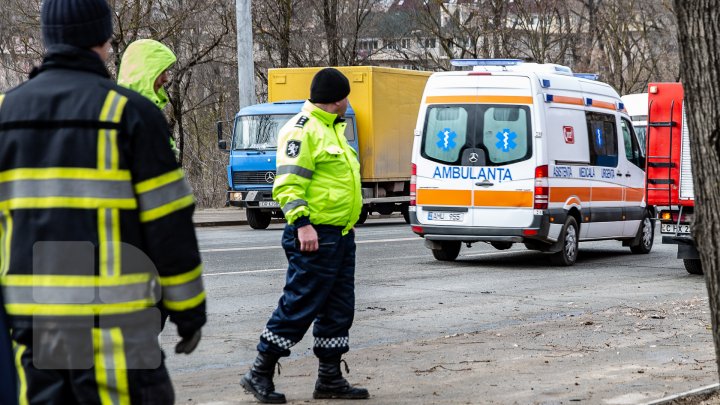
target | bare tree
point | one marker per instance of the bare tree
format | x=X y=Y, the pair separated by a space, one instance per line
x=699 y=39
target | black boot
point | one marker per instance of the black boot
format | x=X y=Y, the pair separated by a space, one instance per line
x=331 y=384
x=259 y=380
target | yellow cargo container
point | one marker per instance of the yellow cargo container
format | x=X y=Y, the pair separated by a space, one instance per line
x=386 y=103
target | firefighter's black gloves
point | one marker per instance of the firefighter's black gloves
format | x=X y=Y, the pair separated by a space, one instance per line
x=189 y=343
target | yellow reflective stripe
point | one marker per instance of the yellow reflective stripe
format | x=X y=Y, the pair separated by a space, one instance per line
x=121 y=379
x=186 y=304
x=109 y=242
x=100 y=367
x=167 y=209
x=181 y=278
x=68 y=202
x=6 y=230
x=22 y=379
x=108 y=156
x=157 y=182
x=78 y=310
x=62 y=173
x=27 y=280
x=2 y=98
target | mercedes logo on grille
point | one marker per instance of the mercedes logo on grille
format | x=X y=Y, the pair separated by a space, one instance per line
x=270 y=177
x=473 y=157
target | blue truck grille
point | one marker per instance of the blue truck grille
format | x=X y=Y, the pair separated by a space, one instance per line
x=263 y=177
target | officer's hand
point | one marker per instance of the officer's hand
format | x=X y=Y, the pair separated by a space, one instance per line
x=308 y=239
x=188 y=344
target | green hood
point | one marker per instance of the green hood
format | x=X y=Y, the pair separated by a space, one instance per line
x=143 y=61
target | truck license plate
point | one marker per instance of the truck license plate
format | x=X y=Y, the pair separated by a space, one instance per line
x=674 y=228
x=445 y=216
x=268 y=204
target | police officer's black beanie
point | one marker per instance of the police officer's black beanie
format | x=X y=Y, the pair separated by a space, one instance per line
x=81 y=23
x=328 y=86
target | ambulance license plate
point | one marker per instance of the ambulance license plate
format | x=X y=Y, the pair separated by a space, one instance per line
x=674 y=228
x=445 y=216
x=269 y=204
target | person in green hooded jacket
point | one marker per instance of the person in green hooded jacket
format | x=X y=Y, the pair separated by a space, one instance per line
x=144 y=68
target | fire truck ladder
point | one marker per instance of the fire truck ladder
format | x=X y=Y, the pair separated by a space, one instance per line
x=661 y=184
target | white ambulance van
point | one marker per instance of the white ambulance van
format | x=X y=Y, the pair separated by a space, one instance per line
x=514 y=152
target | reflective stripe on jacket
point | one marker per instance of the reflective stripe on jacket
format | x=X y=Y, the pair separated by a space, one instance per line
x=318 y=173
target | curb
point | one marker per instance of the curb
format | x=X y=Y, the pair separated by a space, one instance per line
x=685 y=395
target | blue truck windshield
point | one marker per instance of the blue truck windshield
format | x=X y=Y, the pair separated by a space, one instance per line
x=258 y=132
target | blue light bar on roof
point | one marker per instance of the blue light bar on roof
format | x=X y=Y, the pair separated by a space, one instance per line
x=485 y=62
x=589 y=76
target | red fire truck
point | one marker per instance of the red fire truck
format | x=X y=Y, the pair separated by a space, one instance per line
x=669 y=183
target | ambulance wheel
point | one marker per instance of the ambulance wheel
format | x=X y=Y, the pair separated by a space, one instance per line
x=363 y=216
x=501 y=245
x=257 y=219
x=449 y=250
x=693 y=266
x=646 y=236
x=569 y=237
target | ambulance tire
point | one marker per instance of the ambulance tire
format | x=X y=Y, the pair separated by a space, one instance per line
x=569 y=237
x=693 y=266
x=363 y=216
x=501 y=245
x=258 y=219
x=645 y=235
x=448 y=252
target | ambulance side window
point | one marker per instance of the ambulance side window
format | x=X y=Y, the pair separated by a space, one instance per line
x=445 y=133
x=632 y=149
x=603 y=139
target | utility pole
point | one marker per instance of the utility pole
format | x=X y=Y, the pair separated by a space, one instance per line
x=246 y=65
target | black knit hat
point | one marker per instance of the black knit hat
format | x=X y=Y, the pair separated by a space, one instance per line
x=328 y=86
x=82 y=23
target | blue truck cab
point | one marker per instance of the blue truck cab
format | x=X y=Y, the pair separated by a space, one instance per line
x=252 y=150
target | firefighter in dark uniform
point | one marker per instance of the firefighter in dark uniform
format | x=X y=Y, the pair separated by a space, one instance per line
x=318 y=188
x=95 y=225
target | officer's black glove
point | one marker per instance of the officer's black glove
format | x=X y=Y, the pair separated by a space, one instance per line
x=188 y=344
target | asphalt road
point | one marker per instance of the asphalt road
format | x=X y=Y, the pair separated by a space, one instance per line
x=403 y=294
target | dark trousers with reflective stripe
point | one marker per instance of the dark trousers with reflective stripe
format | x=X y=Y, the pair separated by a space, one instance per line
x=319 y=287
x=91 y=366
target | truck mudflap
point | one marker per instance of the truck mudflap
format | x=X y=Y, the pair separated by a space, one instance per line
x=540 y=230
x=687 y=249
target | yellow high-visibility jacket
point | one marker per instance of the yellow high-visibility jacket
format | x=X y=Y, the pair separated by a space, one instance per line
x=318 y=172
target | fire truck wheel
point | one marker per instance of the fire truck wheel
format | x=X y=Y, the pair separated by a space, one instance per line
x=569 y=252
x=693 y=266
x=448 y=252
x=258 y=219
x=645 y=233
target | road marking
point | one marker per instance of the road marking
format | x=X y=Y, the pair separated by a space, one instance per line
x=361 y=242
x=492 y=253
x=244 y=272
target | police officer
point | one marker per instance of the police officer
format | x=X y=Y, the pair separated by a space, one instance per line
x=95 y=225
x=318 y=188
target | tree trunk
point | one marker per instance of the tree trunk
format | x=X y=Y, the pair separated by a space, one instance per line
x=330 y=21
x=699 y=40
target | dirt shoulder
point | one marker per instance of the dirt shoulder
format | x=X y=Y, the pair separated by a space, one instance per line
x=621 y=355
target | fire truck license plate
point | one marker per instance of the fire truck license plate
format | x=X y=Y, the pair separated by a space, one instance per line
x=269 y=204
x=445 y=216
x=674 y=228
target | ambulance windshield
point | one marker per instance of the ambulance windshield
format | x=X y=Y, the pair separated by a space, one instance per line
x=501 y=132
